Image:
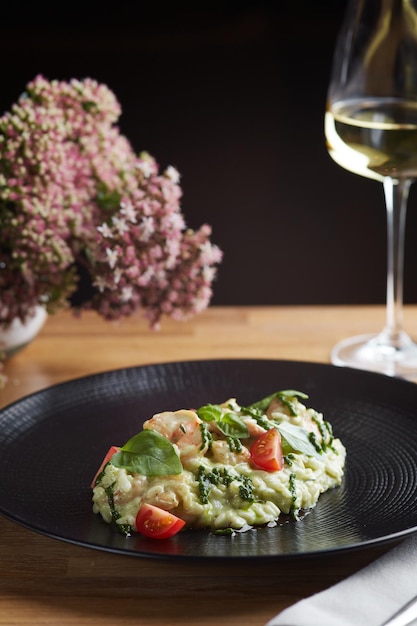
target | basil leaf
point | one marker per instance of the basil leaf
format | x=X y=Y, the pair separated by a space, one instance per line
x=231 y=425
x=263 y=404
x=298 y=439
x=148 y=453
x=209 y=412
x=292 y=393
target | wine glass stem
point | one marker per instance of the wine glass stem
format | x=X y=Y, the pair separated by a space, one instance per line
x=396 y=199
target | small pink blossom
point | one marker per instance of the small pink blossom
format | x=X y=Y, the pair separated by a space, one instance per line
x=74 y=197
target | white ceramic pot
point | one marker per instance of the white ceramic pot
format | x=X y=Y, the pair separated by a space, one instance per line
x=18 y=334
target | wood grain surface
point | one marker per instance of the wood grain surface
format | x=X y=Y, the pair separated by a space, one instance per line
x=44 y=581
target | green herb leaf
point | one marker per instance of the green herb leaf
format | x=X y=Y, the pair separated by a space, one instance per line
x=209 y=412
x=298 y=438
x=231 y=425
x=292 y=393
x=263 y=404
x=148 y=453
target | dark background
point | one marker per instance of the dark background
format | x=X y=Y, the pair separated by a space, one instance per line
x=233 y=95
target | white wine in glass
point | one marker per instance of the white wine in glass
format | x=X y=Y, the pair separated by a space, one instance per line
x=371 y=130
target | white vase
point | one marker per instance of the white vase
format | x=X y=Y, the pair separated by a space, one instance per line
x=17 y=335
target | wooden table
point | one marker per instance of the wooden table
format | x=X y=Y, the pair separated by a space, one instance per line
x=45 y=581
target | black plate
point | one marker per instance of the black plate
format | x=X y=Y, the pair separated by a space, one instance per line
x=53 y=441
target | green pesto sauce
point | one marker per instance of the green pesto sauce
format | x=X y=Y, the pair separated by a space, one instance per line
x=313 y=440
x=246 y=489
x=293 y=492
x=326 y=432
x=206 y=436
x=258 y=416
x=100 y=476
x=125 y=529
x=289 y=458
x=290 y=405
x=235 y=445
x=222 y=477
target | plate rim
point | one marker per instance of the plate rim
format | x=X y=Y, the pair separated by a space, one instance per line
x=90 y=378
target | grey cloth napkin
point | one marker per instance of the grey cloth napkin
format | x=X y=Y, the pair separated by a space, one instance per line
x=367 y=598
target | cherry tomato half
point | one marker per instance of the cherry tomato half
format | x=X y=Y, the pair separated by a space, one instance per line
x=266 y=451
x=112 y=450
x=154 y=522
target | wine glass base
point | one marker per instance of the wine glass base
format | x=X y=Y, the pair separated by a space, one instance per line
x=375 y=353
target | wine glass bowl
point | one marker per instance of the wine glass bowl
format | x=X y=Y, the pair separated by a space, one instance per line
x=371 y=130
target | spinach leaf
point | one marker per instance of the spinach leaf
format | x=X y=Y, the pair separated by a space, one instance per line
x=148 y=453
x=298 y=438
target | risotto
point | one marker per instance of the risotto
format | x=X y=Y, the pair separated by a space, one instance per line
x=223 y=467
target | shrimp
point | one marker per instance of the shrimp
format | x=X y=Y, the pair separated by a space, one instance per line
x=303 y=419
x=222 y=453
x=255 y=430
x=183 y=429
x=275 y=406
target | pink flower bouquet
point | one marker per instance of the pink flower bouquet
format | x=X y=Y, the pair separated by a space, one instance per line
x=75 y=198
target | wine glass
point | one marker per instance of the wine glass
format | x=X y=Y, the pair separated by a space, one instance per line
x=371 y=130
